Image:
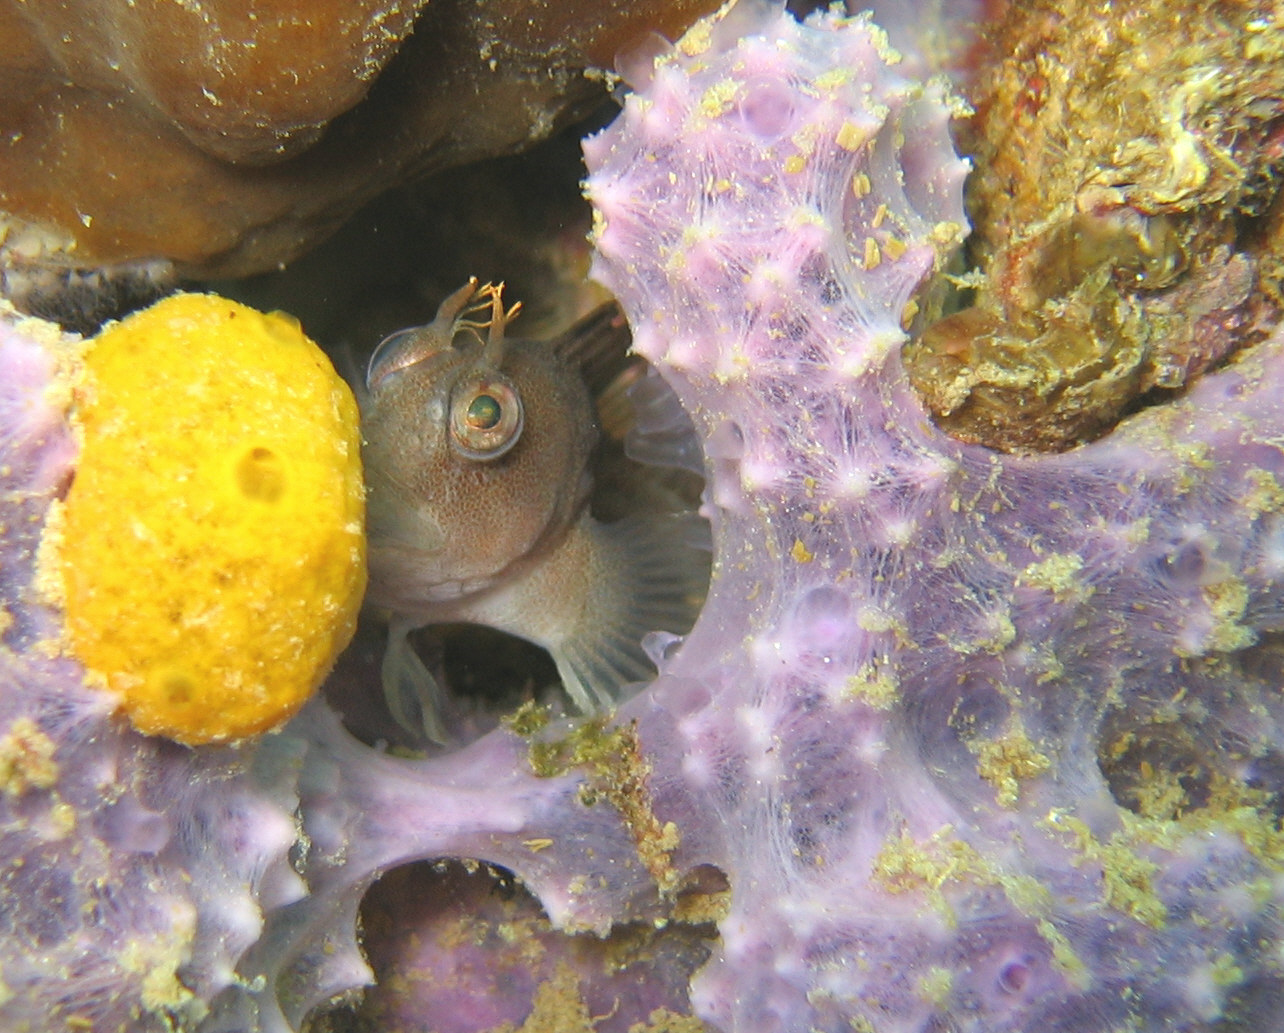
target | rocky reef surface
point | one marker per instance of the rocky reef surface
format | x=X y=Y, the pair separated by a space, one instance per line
x=144 y=139
x=1127 y=213
x=961 y=741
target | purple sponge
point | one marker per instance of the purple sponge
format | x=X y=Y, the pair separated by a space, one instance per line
x=923 y=722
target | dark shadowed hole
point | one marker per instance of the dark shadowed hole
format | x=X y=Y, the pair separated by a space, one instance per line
x=1154 y=769
x=484 y=675
x=461 y=945
x=1210 y=738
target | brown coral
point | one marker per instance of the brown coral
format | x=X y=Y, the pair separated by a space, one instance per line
x=1126 y=209
x=226 y=136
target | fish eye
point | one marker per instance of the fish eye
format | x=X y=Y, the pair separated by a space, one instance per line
x=483 y=412
x=485 y=417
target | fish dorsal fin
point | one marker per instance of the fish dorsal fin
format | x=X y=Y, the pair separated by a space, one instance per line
x=598 y=346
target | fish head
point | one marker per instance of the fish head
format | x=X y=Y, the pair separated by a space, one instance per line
x=476 y=454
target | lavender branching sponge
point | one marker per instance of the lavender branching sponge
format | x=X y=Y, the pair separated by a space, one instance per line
x=981 y=743
x=210 y=550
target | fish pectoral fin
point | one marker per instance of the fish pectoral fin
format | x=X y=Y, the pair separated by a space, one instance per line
x=649 y=574
x=661 y=433
x=414 y=696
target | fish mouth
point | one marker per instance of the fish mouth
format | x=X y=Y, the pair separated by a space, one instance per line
x=411 y=579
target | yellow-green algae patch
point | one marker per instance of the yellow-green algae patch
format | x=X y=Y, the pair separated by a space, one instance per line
x=1008 y=760
x=943 y=861
x=617 y=773
x=26 y=758
x=1059 y=575
x=560 y=1008
x=210 y=553
x=1127 y=876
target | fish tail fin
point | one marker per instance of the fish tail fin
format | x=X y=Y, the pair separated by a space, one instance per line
x=656 y=573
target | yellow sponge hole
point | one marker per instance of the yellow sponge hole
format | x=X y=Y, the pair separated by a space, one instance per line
x=212 y=546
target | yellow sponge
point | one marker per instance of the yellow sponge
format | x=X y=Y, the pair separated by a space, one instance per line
x=212 y=546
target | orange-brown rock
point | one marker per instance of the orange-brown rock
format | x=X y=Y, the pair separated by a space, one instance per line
x=1127 y=212
x=227 y=136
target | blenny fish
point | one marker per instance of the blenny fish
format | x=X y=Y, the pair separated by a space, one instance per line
x=478 y=469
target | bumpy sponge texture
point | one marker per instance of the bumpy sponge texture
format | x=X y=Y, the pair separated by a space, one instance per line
x=212 y=550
